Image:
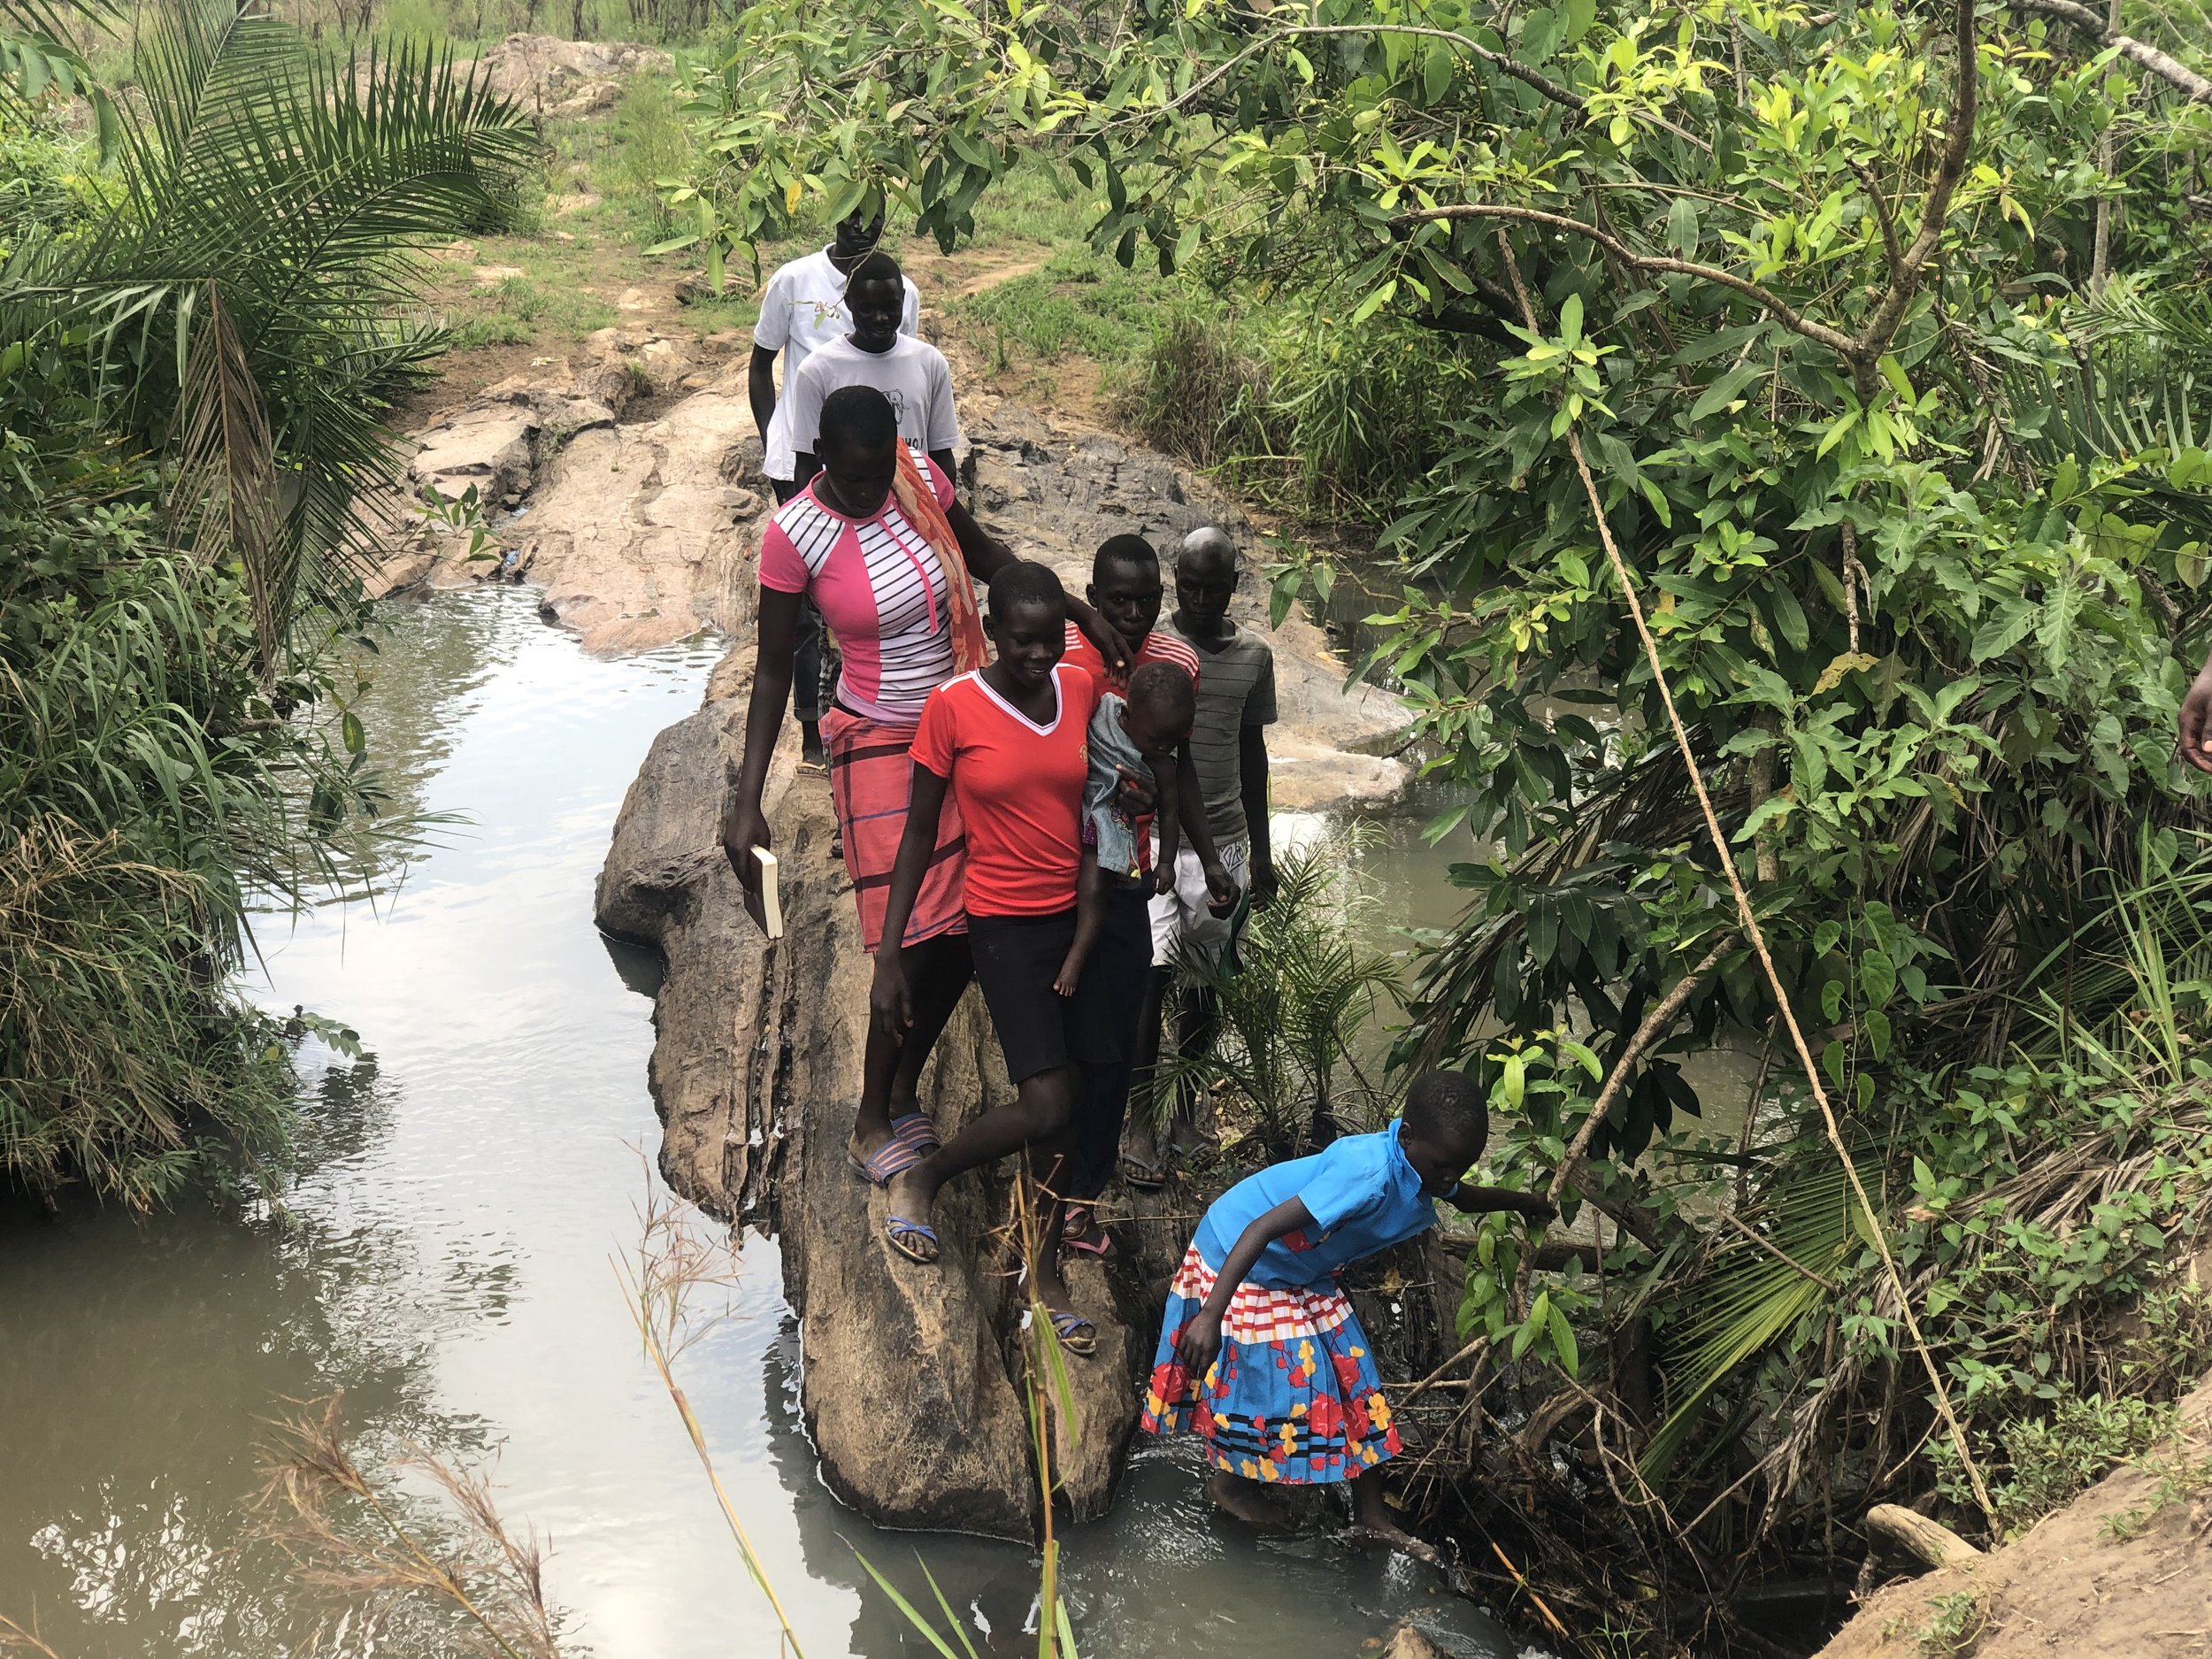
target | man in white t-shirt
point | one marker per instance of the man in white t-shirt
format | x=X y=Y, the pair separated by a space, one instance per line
x=802 y=309
x=910 y=372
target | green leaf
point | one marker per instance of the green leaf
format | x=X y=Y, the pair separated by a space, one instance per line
x=1682 y=227
x=1877 y=977
x=1436 y=71
x=1562 y=1343
x=1726 y=390
x=1580 y=15
x=356 y=741
x=1374 y=303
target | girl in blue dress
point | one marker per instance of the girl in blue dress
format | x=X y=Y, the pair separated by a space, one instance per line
x=1260 y=1355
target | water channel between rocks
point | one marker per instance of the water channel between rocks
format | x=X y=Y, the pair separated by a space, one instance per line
x=445 y=1261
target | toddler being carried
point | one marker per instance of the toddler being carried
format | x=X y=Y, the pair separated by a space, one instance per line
x=1139 y=734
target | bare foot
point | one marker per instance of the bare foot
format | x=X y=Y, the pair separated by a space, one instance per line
x=1249 y=1501
x=1384 y=1535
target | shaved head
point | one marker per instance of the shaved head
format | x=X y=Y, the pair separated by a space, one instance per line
x=1207 y=548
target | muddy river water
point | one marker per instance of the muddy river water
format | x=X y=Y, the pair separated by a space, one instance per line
x=444 y=1260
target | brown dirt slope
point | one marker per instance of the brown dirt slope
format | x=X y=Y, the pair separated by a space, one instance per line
x=2124 y=1572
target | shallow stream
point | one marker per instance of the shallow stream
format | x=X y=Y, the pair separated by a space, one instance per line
x=445 y=1261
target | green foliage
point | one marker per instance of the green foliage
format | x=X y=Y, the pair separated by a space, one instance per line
x=1957 y=1622
x=2053 y=1459
x=195 y=352
x=2178 y=1476
x=1297 y=992
x=1067 y=306
x=1911 y=481
x=517 y=311
x=147 y=782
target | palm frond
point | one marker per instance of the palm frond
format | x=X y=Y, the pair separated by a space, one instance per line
x=289 y=199
x=1748 y=1294
x=222 y=496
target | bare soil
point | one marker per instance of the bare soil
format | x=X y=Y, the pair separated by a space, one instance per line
x=2125 y=1570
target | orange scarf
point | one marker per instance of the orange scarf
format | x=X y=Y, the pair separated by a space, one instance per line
x=918 y=502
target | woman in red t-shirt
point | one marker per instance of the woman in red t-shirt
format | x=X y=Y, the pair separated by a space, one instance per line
x=888 y=582
x=1009 y=743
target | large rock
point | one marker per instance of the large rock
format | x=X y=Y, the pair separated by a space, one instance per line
x=911 y=1383
x=641 y=533
x=568 y=77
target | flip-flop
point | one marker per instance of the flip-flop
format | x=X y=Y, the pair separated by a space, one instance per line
x=1078 y=1336
x=888 y=1161
x=916 y=1129
x=913 y=1137
x=1077 y=1222
x=1140 y=1177
x=901 y=1233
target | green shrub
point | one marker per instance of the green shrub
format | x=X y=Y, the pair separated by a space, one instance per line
x=2055 y=1458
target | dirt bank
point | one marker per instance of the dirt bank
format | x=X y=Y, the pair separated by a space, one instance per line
x=2123 y=1572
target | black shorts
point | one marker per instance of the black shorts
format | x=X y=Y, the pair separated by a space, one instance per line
x=1017 y=958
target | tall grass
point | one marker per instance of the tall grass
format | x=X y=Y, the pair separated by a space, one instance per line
x=147 y=781
x=1297 y=409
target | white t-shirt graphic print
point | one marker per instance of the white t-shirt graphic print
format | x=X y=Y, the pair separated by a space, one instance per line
x=802 y=311
x=912 y=374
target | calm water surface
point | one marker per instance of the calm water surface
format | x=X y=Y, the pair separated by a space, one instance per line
x=445 y=1262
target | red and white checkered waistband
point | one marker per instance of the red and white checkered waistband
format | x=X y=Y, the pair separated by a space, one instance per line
x=1259 y=1314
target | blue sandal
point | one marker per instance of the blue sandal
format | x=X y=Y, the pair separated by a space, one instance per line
x=901 y=1234
x=1065 y=1325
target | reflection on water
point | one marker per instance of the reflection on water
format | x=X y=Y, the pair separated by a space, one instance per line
x=445 y=1261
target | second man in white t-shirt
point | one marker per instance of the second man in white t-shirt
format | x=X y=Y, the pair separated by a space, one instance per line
x=910 y=372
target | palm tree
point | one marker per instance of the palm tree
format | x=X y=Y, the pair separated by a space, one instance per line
x=241 y=302
x=194 y=378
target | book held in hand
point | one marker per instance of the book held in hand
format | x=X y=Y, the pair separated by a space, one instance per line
x=762 y=902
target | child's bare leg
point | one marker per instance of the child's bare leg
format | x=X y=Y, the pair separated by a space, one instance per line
x=1140 y=1142
x=1090 y=921
x=939 y=970
x=1249 y=1501
x=1049 y=1167
x=1373 y=1522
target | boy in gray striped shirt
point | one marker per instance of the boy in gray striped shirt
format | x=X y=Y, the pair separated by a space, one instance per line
x=1228 y=748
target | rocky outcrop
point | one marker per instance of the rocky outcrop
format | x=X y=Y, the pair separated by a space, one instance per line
x=2125 y=1570
x=912 y=1381
x=568 y=78
x=640 y=531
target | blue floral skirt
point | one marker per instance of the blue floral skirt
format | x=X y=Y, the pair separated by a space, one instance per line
x=1292 y=1396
